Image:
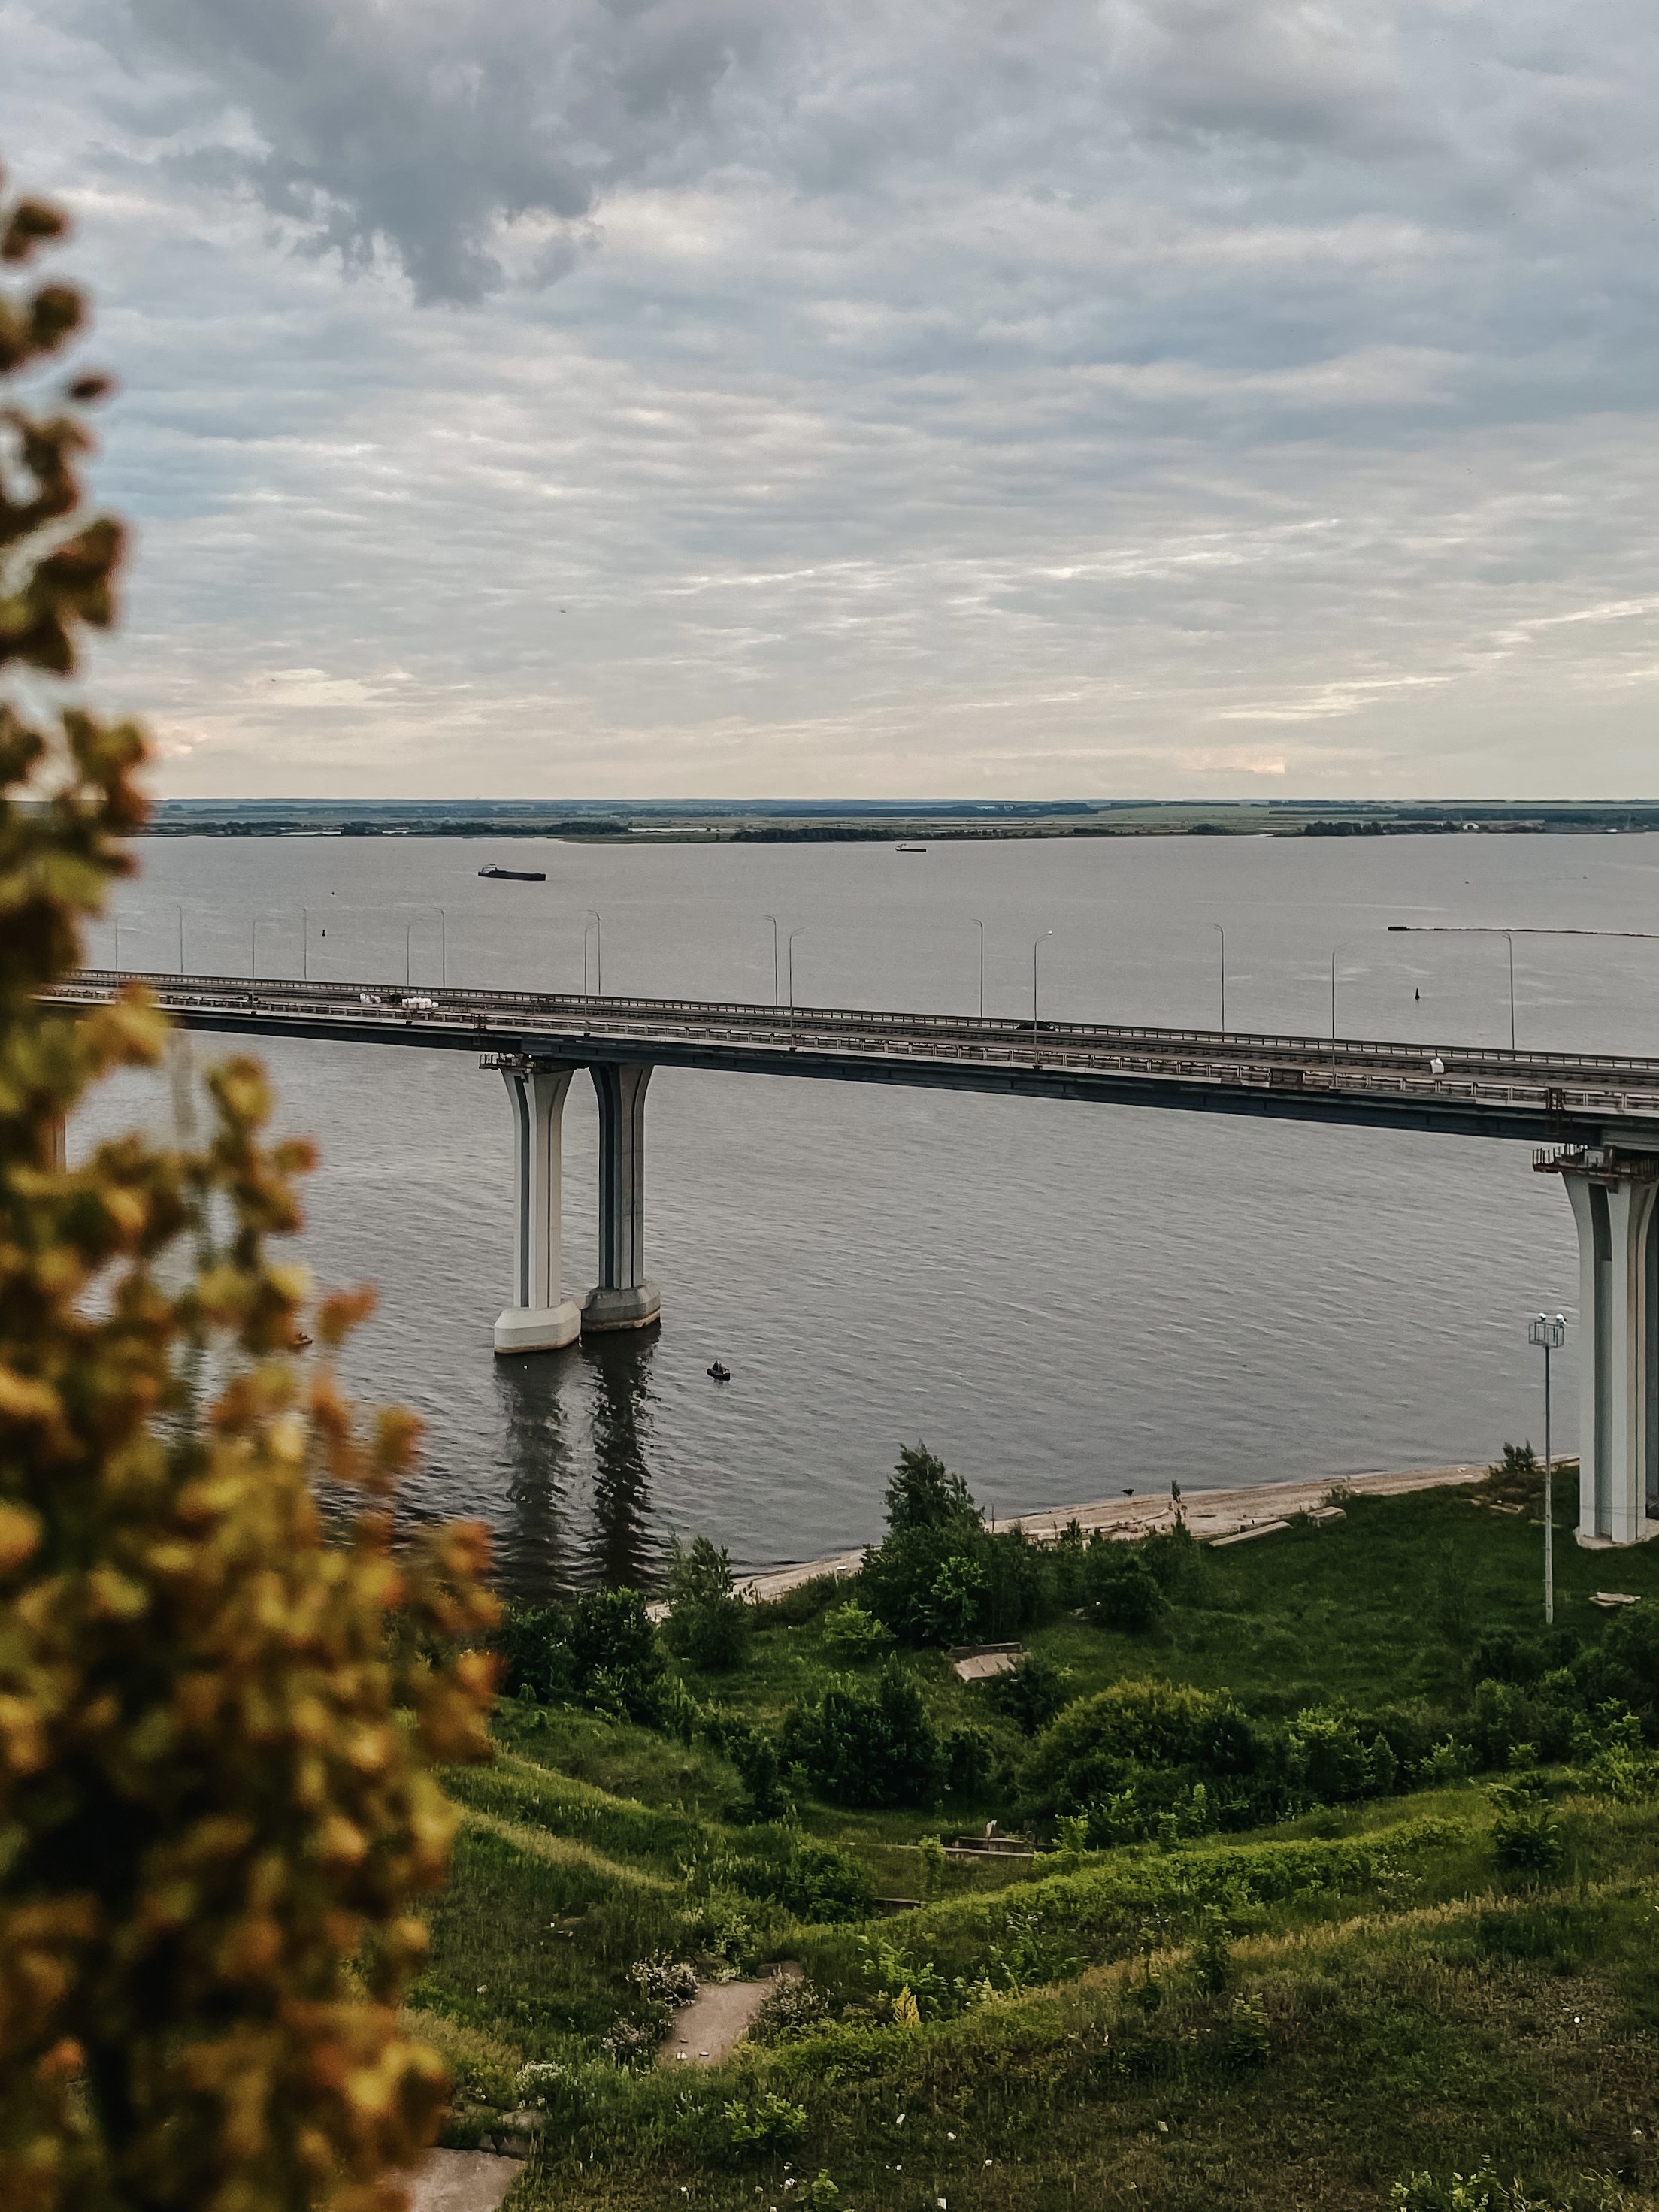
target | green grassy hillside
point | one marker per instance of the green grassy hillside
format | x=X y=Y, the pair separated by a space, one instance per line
x=1401 y=1983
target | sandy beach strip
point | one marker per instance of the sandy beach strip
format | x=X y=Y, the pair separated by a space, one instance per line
x=1209 y=1513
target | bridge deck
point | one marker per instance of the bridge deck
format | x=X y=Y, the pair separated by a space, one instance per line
x=1526 y=1096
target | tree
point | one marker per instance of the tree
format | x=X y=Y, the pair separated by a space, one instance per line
x=217 y=1794
x=708 y=1621
x=924 y=1494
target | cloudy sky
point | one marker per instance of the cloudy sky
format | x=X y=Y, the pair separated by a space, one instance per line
x=820 y=397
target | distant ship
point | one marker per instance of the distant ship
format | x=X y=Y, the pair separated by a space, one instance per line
x=909 y=849
x=515 y=875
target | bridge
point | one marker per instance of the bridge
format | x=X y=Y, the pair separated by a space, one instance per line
x=1591 y=1118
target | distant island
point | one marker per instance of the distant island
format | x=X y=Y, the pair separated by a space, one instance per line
x=773 y=821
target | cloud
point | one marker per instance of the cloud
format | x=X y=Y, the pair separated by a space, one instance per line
x=705 y=394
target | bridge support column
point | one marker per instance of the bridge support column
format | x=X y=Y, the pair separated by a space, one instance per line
x=540 y=1321
x=624 y=1297
x=1612 y=1200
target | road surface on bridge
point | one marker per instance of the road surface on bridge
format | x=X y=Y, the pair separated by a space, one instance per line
x=1564 y=1098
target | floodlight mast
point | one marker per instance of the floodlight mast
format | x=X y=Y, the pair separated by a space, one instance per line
x=1549 y=1335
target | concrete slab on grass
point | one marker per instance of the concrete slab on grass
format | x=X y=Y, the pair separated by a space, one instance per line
x=461 y=2181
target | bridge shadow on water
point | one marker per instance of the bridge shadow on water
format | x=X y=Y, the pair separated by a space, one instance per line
x=578 y=1429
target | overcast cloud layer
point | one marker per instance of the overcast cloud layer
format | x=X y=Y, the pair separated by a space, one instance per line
x=723 y=396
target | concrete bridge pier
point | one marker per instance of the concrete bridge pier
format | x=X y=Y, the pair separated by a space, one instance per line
x=540 y=1320
x=624 y=1297
x=1612 y=1195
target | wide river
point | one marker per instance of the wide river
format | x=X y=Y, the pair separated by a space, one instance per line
x=1065 y=1301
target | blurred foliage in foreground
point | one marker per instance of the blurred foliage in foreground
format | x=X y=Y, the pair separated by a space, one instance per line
x=216 y=1796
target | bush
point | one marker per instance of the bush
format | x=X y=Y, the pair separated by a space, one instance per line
x=1119 y=1590
x=970 y=1761
x=864 y=1748
x=790 y=2008
x=770 y=2123
x=853 y=1633
x=665 y=1981
x=818 y=1882
x=1029 y=1694
x=216 y=1768
x=1526 y=1841
x=601 y=1651
x=707 y=1623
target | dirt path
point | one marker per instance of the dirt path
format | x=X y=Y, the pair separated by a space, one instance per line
x=1209 y=1513
x=718 y=2018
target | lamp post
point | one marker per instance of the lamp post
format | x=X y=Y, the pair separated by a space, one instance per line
x=1549 y=1335
x=409 y=972
x=1508 y=936
x=1222 y=934
x=1036 y=945
x=980 y=926
x=179 y=909
x=304 y=944
x=598 y=920
x=117 y=921
x=790 y=954
x=773 y=919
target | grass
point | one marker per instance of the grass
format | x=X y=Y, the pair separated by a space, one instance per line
x=1393 y=2001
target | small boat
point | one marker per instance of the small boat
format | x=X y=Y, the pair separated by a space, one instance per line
x=721 y=1373
x=513 y=875
x=301 y=1342
x=909 y=849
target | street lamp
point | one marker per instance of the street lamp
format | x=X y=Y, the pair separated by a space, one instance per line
x=1036 y=943
x=304 y=944
x=117 y=921
x=1549 y=1335
x=409 y=974
x=594 y=916
x=793 y=934
x=179 y=909
x=1222 y=934
x=1510 y=937
x=980 y=926
x=773 y=919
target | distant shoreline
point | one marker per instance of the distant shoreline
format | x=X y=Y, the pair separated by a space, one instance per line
x=877 y=822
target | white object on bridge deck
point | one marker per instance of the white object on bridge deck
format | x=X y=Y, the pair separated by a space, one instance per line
x=624 y=1297
x=540 y=1321
x=1613 y=1204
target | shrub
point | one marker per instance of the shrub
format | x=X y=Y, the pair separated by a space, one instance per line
x=1526 y=1841
x=853 y=1633
x=1099 y=1742
x=538 y=2081
x=1247 y=2032
x=1479 y=2191
x=790 y=2008
x=216 y=1784
x=815 y=1881
x=1327 y=1756
x=1174 y=1558
x=1029 y=1694
x=760 y=1770
x=770 y=2123
x=663 y=1981
x=864 y=1748
x=1119 y=1590
x=970 y=1761
x=631 y=2046
x=599 y=1650
x=707 y=1622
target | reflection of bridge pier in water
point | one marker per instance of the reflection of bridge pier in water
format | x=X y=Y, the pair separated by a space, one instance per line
x=622 y=1551
x=1598 y=1115
x=557 y=1411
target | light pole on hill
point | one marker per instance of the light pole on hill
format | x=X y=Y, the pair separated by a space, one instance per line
x=1549 y=1335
